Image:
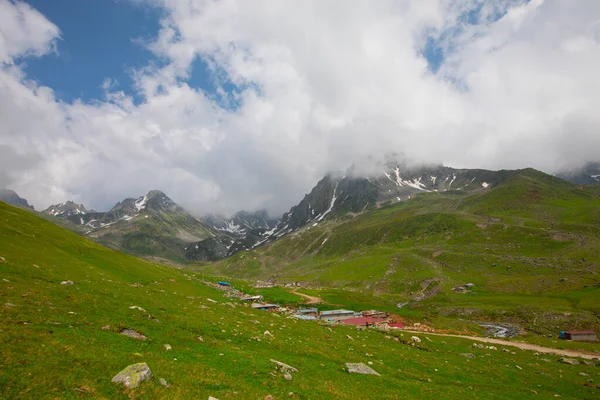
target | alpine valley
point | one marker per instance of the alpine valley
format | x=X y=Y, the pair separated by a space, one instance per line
x=447 y=254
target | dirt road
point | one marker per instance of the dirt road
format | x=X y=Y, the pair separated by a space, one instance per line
x=524 y=346
x=309 y=299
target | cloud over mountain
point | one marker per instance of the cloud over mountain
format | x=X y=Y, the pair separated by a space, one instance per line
x=302 y=88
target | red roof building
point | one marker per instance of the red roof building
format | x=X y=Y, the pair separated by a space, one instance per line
x=396 y=325
x=362 y=321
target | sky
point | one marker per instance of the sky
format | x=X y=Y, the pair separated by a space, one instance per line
x=235 y=104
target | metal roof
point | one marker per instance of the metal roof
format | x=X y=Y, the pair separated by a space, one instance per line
x=307 y=310
x=336 y=312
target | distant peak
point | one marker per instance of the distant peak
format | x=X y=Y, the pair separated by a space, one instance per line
x=154 y=193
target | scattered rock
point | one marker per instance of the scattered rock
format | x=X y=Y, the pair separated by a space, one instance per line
x=583 y=374
x=2 y=259
x=360 y=368
x=164 y=382
x=212 y=301
x=132 y=334
x=349 y=337
x=518 y=367
x=135 y=284
x=253 y=321
x=167 y=347
x=287 y=376
x=570 y=361
x=9 y=305
x=415 y=339
x=137 y=308
x=267 y=333
x=106 y=328
x=200 y=338
x=478 y=345
x=468 y=355
x=269 y=397
x=212 y=398
x=589 y=363
x=284 y=367
x=67 y=283
x=133 y=375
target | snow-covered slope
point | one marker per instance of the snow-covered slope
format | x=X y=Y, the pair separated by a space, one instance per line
x=67 y=209
x=335 y=195
x=589 y=174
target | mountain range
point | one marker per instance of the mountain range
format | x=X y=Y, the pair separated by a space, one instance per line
x=155 y=226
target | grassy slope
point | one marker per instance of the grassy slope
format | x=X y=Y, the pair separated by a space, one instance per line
x=516 y=242
x=160 y=235
x=53 y=347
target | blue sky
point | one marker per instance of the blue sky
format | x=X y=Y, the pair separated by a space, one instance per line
x=106 y=39
x=99 y=39
x=321 y=84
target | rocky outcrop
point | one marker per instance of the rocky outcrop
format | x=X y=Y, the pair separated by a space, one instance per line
x=133 y=375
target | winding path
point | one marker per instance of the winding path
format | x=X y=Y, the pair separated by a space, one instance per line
x=309 y=299
x=524 y=346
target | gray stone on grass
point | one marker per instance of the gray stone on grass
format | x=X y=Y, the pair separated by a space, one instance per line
x=284 y=367
x=167 y=347
x=132 y=333
x=133 y=375
x=67 y=283
x=164 y=382
x=360 y=368
x=468 y=355
x=570 y=361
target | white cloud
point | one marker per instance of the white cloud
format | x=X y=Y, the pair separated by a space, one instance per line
x=321 y=84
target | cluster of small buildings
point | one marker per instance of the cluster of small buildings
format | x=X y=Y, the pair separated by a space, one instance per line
x=365 y=319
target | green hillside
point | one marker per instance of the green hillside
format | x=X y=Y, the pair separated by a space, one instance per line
x=54 y=344
x=531 y=246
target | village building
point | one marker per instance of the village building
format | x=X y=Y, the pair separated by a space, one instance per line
x=252 y=298
x=396 y=325
x=579 y=336
x=336 y=315
x=308 y=311
x=374 y=314
x=363 y=321
x=266 y=307
x=305 y=317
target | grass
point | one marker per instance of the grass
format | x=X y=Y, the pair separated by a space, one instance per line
x=531 y=245
x=53 y=345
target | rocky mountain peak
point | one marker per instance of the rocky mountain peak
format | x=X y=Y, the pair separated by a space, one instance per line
x=11 y=197
x=67 y=209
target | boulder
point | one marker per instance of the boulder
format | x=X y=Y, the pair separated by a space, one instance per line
x=570 y=361
x=167 y=347
x=133 y=375
x=415 y=339
x=67 y=283
x=164 y=382
x=467 y=355
x=360 y=368
x=284 y=367
x=132 y=334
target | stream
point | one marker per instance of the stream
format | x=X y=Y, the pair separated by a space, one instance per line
x=500 y=331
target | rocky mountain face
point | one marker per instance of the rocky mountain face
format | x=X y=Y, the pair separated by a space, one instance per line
x=67 y=209
x=589 y=174
x=338 y=195
x=245 y=230
x=150 y=225
x=11 y=197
